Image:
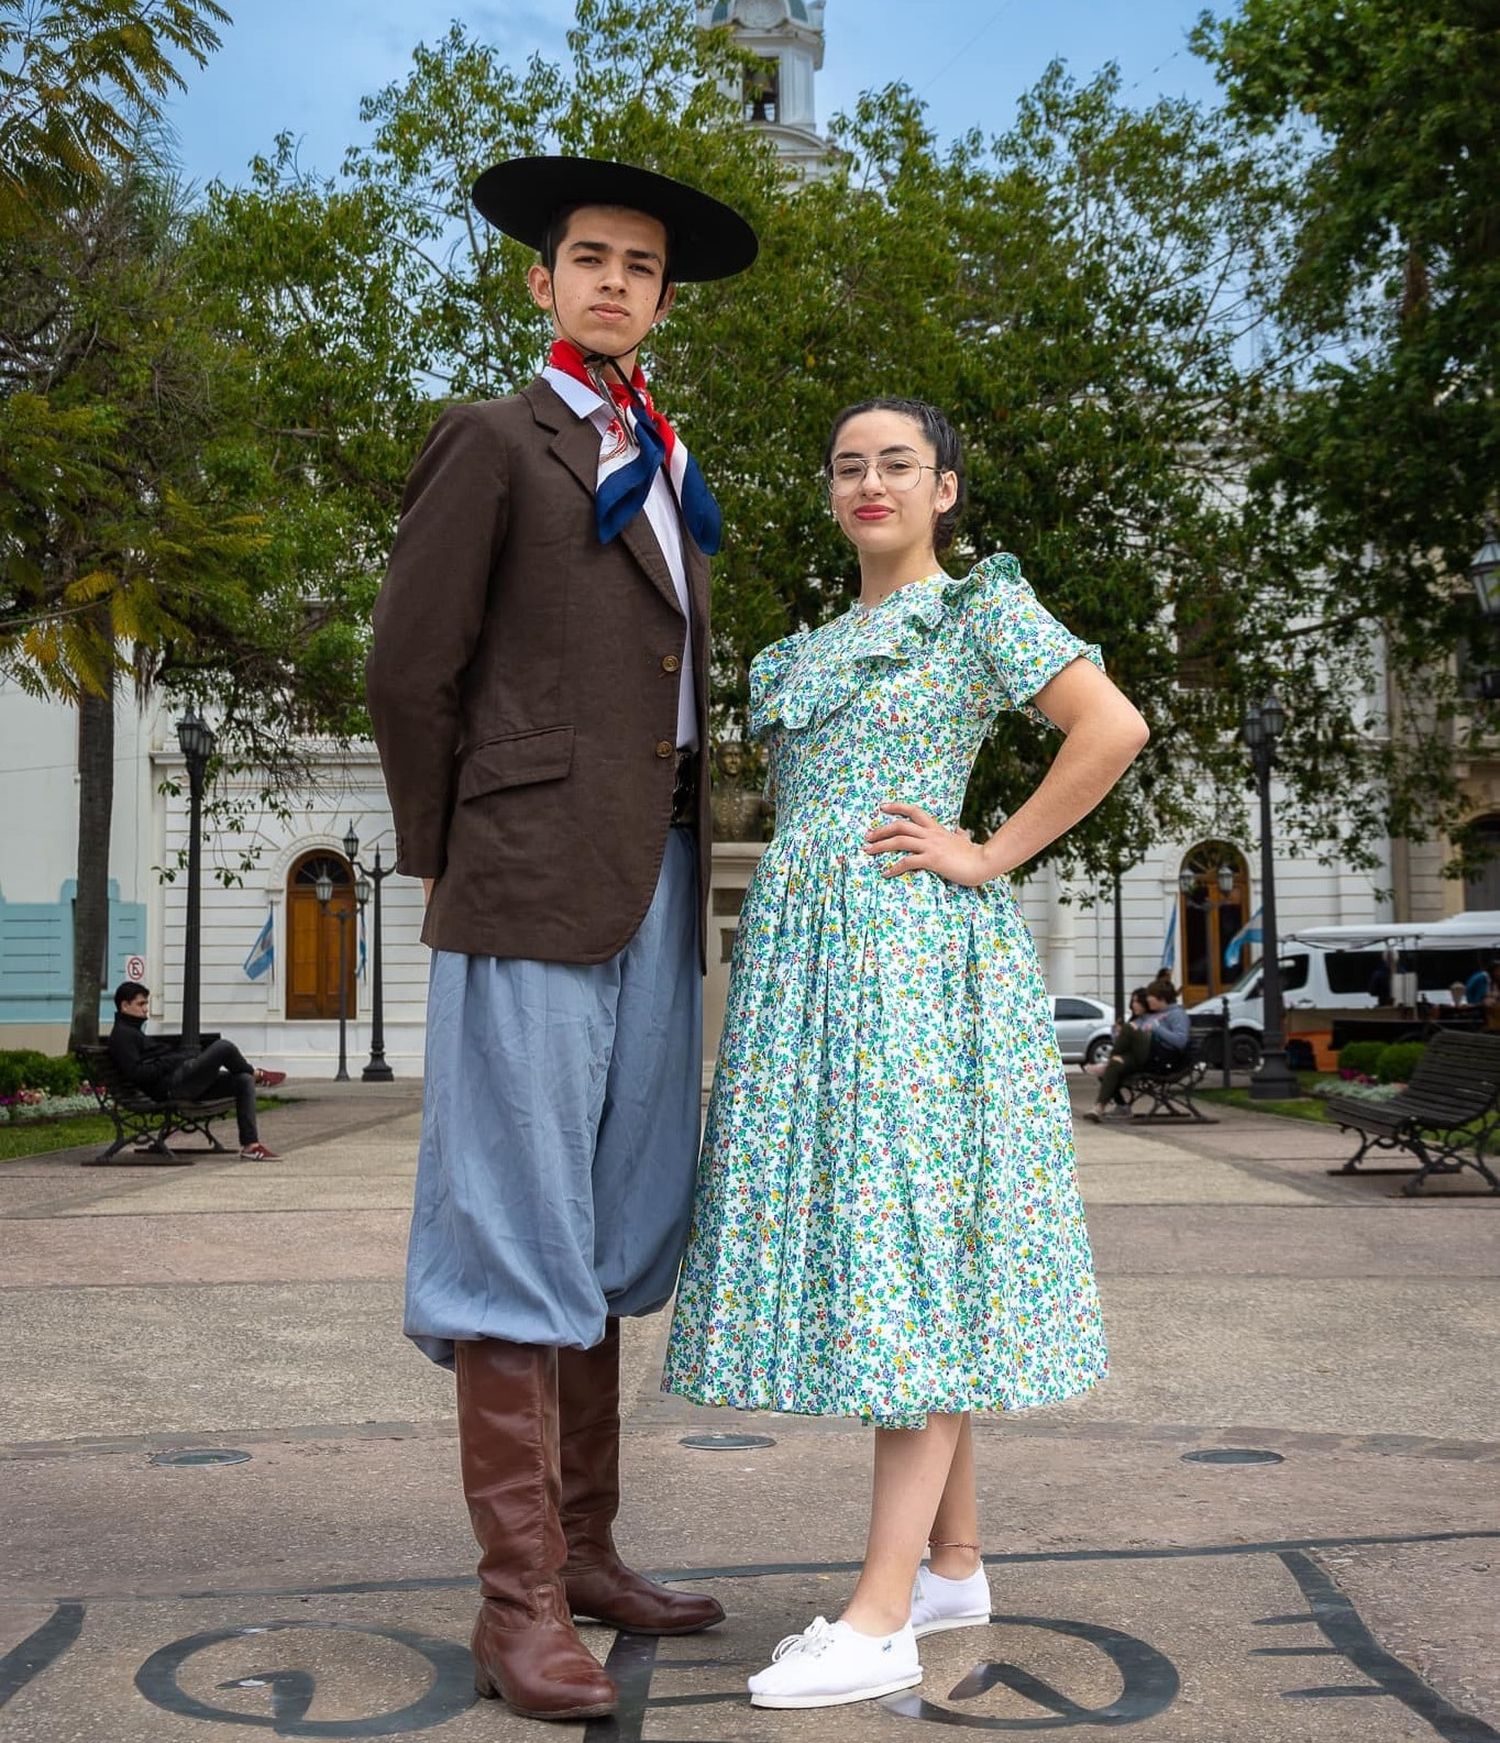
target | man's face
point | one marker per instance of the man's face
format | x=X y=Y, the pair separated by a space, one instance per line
x=139 y=1006
x=605 y=289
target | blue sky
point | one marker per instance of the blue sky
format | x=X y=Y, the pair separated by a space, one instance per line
x=303 y=65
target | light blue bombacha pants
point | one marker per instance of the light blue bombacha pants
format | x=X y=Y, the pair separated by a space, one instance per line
x=560 y=1129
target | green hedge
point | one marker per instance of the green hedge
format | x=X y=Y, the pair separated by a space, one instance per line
x=25 y=1068
x=1398 y=1061
x=1361 y=1056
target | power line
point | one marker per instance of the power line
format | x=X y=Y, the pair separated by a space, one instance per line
x=983 y=30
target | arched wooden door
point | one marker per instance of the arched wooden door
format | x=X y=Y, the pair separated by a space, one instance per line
x=1209 y=916
x=312 y=938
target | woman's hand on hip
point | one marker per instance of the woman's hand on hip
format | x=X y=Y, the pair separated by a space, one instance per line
x=927 y=846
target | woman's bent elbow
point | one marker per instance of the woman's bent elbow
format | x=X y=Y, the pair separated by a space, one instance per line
x=1134 y=732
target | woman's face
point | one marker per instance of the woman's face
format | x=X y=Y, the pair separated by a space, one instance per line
x=1137 y=1005
x=893 y=506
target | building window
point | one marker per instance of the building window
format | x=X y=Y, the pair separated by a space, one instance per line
x=1205 y=630
x=1482 y=888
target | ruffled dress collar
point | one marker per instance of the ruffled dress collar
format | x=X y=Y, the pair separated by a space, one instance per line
x=802 y=680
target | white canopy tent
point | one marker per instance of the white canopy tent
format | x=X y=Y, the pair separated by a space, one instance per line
x=1472 y=931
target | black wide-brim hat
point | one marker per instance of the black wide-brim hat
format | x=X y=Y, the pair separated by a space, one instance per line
x=707 y=239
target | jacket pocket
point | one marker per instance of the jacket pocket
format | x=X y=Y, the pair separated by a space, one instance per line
x=516 y=761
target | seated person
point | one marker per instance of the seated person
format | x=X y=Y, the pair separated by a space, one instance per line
x=166 y=1070
x=1158 y=1041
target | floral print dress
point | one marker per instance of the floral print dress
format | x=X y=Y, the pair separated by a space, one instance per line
x=887 y=1219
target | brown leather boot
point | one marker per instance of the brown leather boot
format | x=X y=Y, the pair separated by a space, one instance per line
x=598 y=1583
x=526 y=1649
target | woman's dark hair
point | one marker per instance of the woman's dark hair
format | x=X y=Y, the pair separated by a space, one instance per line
x=1138 y=996
x=938 y=431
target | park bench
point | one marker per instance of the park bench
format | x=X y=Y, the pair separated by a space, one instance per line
x=1444 y=1117
x=1170 y=1092
x=142 y=1119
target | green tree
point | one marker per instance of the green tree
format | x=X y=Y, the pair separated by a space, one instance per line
x=78 y=81
x=1378 y=459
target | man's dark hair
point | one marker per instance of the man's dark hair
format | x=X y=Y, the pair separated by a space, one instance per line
x=129 y=989
x=946 y=446
x=557 y=234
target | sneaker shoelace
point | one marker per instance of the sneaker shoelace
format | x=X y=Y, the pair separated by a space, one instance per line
x=816 y=1638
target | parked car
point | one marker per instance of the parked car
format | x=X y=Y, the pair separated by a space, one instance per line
x=1084 y=1027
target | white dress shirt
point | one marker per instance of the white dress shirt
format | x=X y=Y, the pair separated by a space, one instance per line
x=665 y=521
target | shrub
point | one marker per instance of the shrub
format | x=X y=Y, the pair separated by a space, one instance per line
x=1361 y=1056
x=25 y=1068
x=1398 y=1061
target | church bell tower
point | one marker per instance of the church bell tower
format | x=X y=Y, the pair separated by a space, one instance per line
x=787 y=35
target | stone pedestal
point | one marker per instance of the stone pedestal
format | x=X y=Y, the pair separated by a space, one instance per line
x=733 y=863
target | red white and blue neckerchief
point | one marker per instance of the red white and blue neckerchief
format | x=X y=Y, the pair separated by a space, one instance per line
x=637 y=444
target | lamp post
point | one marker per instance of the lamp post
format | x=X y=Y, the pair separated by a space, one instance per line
x=1263 y=723
x=1484 y=574
x=378 y=1070
x=197 y=740
x=323 y=888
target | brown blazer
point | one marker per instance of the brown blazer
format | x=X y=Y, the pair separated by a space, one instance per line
x=523 y=687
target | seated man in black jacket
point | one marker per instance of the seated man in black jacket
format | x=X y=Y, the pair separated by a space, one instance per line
x=164 y=1069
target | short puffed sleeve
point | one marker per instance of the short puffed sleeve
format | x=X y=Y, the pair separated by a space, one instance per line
x=1013 y=635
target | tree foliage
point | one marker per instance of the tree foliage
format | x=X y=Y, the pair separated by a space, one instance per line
x=78 y=81
x=1377 y=462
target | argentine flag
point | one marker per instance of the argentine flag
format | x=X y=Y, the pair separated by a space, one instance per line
x=1249 y=933
x=262 y=951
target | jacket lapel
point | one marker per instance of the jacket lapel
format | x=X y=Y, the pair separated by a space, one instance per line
x=576 y=444
x=697 y=579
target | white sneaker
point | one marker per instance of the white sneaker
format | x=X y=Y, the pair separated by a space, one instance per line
x=938 y=1604
x=829 y=1664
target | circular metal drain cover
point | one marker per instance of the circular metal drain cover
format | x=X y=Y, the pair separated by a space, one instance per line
x=1232 y=1455
x=725 y=1442
x=202 y=1455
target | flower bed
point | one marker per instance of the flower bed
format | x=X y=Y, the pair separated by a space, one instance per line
x=29 y=1107
x=1356 y=1086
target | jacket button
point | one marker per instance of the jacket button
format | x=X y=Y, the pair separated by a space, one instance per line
x=665 y=748
x=670 y=662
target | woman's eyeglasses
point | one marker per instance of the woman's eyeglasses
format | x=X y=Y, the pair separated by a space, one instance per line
x=897 y=472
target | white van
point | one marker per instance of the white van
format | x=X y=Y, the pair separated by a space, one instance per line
x=1329 y=968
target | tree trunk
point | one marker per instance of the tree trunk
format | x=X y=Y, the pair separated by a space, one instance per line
x=96 y=794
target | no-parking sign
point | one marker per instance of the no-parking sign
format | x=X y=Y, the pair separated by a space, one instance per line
x=135 y=968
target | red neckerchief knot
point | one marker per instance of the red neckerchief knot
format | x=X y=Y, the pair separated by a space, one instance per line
x=626 y=478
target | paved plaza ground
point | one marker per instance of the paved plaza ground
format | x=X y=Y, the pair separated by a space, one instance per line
x=321 y=1586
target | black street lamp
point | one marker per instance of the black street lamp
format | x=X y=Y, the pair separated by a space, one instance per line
x=323 y=889
x=1263 y=723
x=378 y=1070
x=197 y=740
x=1484 y=574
